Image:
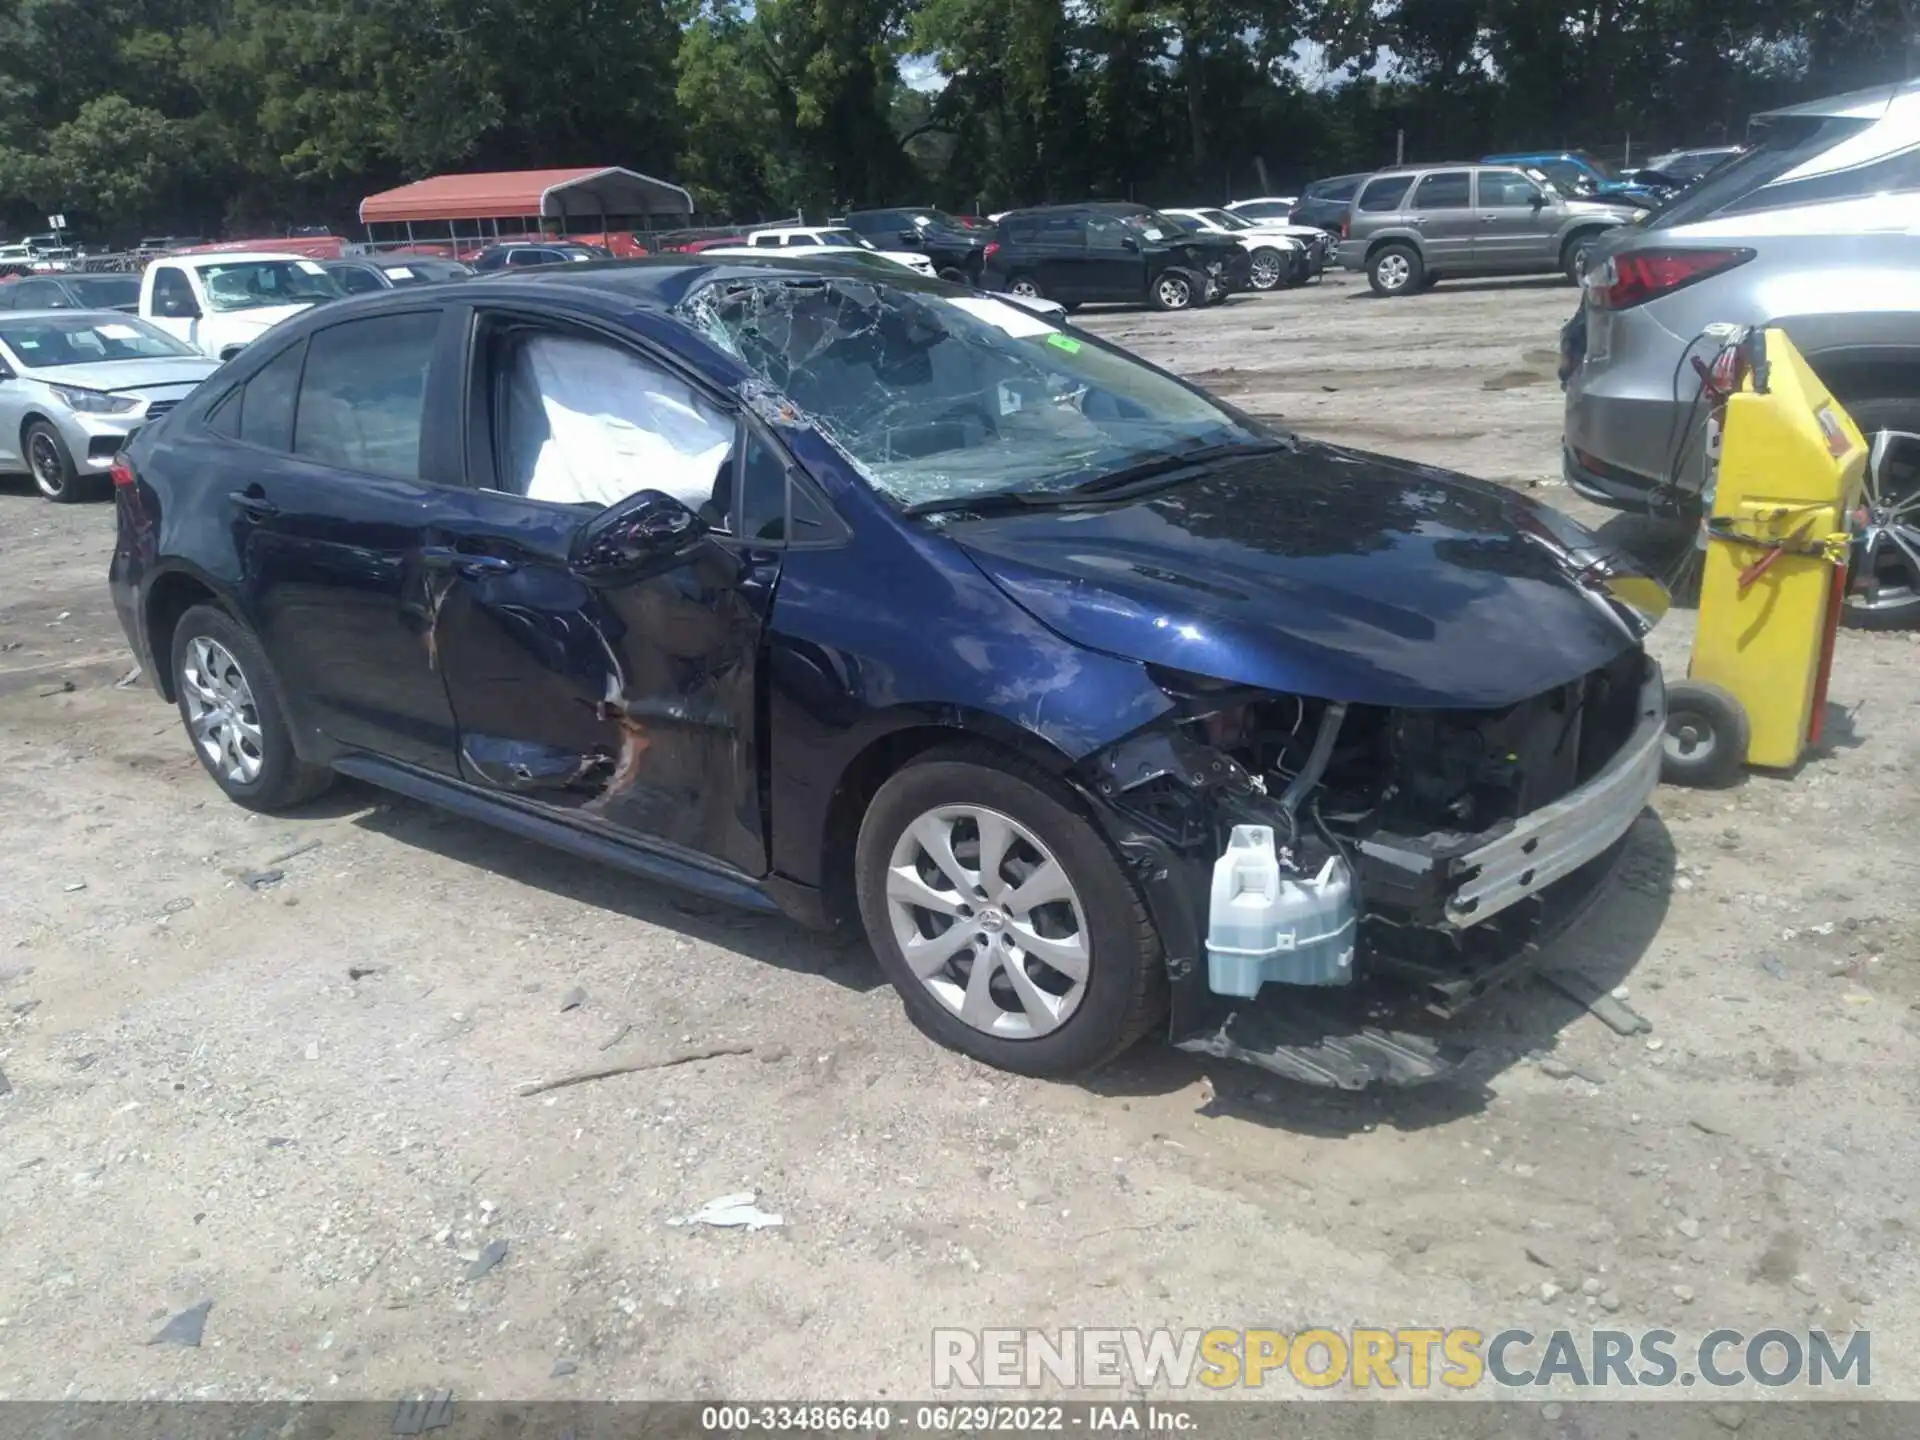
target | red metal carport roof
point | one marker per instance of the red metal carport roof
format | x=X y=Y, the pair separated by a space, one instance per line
x=577 y=191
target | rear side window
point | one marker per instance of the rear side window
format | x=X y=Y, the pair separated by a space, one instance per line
x=1338 y=190
x=363 y=395
x=266 y=401
x=173 y=294
x=1384 y=193
x=1449 y=190
x=1877 y=177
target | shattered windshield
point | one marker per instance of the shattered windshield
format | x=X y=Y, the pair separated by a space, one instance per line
x=1226 y=220
x=939 y=397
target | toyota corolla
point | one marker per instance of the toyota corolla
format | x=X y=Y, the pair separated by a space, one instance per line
x=1099 y=705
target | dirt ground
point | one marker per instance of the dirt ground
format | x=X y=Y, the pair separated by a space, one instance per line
x=300 y=1101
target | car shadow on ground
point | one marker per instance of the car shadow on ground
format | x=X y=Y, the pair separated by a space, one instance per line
x=1444 y=286
x=771 y=939
x=1510 y=1027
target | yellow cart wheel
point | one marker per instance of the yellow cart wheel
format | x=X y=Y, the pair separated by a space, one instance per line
x=1707 y=735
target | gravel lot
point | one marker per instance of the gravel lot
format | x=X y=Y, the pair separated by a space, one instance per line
x=299 y=1101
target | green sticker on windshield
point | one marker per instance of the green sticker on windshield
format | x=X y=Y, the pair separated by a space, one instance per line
x=1064 y=342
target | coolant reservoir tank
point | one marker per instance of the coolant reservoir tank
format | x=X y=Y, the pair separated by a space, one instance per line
x=1267 y=926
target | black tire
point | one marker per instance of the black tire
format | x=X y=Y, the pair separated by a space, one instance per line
x=1865 y=609
x=1175 y=290
x=1707 y=735
x=1126 y=986
x=1574 y=254
x=955 y=275
x=1276 y=269
x=284 y=779
x=51 y=463
x=1395 y=270
x=1025 y=285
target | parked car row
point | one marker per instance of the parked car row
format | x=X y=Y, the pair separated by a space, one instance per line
x=1117 y=252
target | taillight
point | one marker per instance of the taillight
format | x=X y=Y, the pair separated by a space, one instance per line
x=1642 y=275
x=122 y=472
x=993 y=249
x=1346 y=227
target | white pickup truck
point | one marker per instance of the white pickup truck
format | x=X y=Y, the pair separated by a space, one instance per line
x=221 y=301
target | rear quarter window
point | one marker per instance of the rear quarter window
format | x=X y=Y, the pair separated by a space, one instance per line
x=1385 y=193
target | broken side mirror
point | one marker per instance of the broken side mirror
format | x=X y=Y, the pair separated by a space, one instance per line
x=642 y=535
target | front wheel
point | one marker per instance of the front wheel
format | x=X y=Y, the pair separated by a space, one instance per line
x=231 y=705
x=52 y=464
x=1002 y=918
x=1026 y=287
x=1173 y=291
x=1396 y=270
x=1269 y=268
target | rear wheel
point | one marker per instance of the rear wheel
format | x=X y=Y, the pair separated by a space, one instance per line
x=1395 y=270
x=52 y=464
x=1002 y=918
x=231 y=706
x=1883 y=590
x=1026 y=287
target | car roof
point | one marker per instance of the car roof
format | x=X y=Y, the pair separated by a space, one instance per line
x=1866 y=104
x=1426 y=165
x=228 y=257
x=114 y=317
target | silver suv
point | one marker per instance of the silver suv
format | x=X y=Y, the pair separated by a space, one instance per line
x=1410 y=226
x=1814 y=230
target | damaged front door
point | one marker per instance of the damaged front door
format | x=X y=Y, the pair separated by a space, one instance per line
x=599 y=639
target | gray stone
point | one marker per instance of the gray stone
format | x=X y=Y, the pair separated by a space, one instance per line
x=186 y=1328
x=573 y=999
x=562 y=1367
x=492 y=1255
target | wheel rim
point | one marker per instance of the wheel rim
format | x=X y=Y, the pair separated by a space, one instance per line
x=1582 y=258
x=988 y=921
x=1886 y=554
x=1689 y=739
x=221 y=714
x=1393 y=271
x=49 y=470
x=1266 y=272
x=1175 y=293
x=1026 y=289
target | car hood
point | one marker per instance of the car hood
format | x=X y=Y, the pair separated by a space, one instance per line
x=1324 y=572
x=265 y=318
x=119 y=375
x=1619 y=209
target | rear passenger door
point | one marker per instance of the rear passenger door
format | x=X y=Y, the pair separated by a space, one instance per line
x=1441 y=210
x=1057 y=251
x=326 y=477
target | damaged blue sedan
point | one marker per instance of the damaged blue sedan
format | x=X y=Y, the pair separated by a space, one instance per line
x=1100 y=706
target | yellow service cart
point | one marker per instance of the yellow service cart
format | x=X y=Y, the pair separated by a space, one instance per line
x=1778 y=505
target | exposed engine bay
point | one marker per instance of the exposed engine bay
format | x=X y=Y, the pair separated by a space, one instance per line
x=1466 y=832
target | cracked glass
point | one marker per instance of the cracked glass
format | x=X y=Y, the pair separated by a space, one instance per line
x=938 y=397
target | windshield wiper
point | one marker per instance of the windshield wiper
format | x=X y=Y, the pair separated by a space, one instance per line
x=1167 y=468
x=1115 y=484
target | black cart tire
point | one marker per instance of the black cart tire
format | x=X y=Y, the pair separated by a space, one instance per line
x=230 y=704
x=1705 y=747
x=1396 y=270
x=54 y=473
x=1080 y=914
x=1889 y=598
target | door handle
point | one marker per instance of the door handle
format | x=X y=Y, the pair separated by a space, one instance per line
x=445 y=557
x=252 y=503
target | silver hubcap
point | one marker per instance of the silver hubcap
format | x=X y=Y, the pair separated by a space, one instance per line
x=1393 y=271
x=1687 y=739
x=988 y=921
x=220 y=712
x=48 y=472
x=1266 y=272
x=1175 y=293
x=1027 y=289
x=1887 y=553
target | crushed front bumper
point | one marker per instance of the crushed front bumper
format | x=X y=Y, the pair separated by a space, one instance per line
x=1493 y=902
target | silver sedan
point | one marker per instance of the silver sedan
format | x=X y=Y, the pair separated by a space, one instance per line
x=75 y=385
